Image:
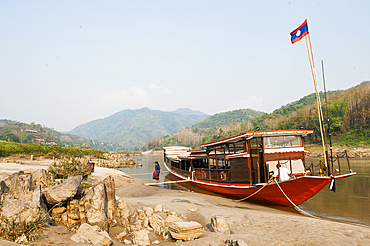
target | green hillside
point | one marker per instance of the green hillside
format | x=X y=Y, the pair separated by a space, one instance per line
x=192 y=136
x=13 y=131
x=349 y=116
x=131 y=128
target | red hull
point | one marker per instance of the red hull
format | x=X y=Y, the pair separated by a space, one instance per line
x=298 y=190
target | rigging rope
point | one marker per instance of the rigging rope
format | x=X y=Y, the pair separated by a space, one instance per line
x=295 y=206
x=245 y=198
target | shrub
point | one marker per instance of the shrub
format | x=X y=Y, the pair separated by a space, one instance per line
x=11 y=230
x=63 y=170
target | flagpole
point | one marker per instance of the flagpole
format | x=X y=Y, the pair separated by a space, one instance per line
x=321 y=112
x=317 y=100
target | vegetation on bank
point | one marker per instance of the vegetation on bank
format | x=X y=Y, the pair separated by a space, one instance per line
x=14 y=230
x=349 y=114
x=35 y=133
x=12 y=148
x=69 y=168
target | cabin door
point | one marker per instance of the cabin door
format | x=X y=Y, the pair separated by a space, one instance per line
x=257 y=161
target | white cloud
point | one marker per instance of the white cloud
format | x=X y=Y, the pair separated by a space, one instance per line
x=133 y=98
x=252 y=102
x=163 y=90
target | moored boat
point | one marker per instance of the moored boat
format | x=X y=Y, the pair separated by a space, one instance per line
x=243 y=167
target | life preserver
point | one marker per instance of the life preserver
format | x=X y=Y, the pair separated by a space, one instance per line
x=223 y=175
x=203 y=174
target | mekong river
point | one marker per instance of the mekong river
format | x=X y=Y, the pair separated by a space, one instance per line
x=350 y=203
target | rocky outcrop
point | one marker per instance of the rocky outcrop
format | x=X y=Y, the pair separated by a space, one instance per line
x=25 y=209
x=219 y=224
x=185 y=230
x=63 y=191
x=93 y=234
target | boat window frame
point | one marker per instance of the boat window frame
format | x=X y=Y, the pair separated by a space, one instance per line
x=283 y=140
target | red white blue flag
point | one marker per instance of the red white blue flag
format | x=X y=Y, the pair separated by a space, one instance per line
x=299 y=33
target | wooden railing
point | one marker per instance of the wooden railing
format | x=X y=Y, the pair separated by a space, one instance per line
x=205 y=173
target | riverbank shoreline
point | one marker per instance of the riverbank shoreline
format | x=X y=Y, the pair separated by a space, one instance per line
x=252 y=223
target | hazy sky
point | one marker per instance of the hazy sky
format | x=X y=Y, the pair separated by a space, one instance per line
x=65 y=63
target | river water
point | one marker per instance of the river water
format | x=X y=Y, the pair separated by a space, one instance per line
x=350 y=203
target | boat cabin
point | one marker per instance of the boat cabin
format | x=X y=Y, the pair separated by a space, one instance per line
x=248 y=158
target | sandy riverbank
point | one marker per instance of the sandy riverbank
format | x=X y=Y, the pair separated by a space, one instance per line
x=255 y=224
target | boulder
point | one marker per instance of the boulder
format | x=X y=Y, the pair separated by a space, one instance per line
x=148 y=211
x=110 y=191
x=63 y=191
x=123 y=212
x=158 y=208
x=43 y=177
x=157 y=223
x=172 y=218
x=98 y=206
x=219 y=224
x=185 y=230
x=20 y=185
x=27 y=209
x=94 y=235
x=141 y=237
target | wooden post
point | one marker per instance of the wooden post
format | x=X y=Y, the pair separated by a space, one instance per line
x=290 y=163
x=312 y=170
x=258 y=163
x=209 y=164
x=328 y=169
x=340 y=171
x=250 y=161
x=217 y=178
x=263 y=157
x=349 y=166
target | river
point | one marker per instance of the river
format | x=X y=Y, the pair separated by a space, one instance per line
x=350 y=203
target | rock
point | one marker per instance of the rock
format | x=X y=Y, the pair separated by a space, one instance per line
x=98 y=206
x=219 y=224
x=158 y=208
x=185 y=230
x=157 y=223
x=43 y=177
x=110 y=191
x=123 y=212
x=156 y=242
x=193 y=209
x=20 y=185
x=238 y=242
x=121 y=236
x=148 y=211
x=79 y=238
x=27 y=209
x=172 y=218
x=3 y=187
x=141 y=237
x=64 y=191
x=56 y=214
x=94 y=235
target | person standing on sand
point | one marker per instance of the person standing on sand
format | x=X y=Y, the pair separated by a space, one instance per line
x=157 y=171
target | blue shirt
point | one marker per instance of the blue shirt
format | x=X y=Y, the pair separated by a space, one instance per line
x=157 y=168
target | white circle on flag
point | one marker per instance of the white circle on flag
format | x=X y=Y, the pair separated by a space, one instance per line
x=298 y=33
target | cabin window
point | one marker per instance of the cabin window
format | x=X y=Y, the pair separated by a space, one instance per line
x=282 y=141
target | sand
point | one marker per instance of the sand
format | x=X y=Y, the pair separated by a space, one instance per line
x=255 y=224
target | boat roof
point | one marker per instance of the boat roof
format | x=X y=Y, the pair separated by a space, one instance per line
x=273 y=133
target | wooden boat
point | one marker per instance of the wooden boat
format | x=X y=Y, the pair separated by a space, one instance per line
x=242 y=166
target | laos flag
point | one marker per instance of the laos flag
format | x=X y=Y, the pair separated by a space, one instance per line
x=299 y=33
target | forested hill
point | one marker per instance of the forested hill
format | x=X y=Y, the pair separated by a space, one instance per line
x=192 y=136
x=349 y=114
x=19 y=132
x=348 y=110
x=131 y=128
